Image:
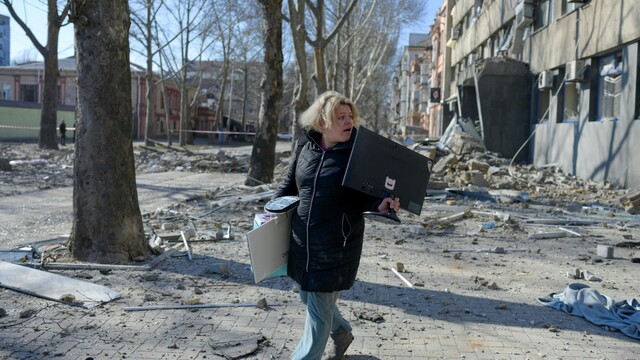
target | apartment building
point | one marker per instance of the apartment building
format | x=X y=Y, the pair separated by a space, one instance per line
x=546 y=81
x=412 y=84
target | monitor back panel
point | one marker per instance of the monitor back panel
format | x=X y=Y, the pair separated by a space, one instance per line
x=381 y=167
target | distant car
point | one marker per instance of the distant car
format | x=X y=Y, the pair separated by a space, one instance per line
x=285 y=136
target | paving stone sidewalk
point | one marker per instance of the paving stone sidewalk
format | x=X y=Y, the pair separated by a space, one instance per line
x=467 y=304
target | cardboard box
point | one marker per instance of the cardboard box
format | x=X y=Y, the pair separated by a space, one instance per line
x=269 y=245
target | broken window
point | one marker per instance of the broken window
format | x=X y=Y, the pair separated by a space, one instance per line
x=609 y=86
x=571 y=100
x=544 y=13
x=568 y=6
x=544 y=101
x=28 y=93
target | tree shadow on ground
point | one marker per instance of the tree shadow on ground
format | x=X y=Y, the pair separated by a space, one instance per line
x=439 y=305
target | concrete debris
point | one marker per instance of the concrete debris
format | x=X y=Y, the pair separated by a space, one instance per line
x=583 y=275
x=21 y=163
x=25 y=314
x=605 y=251
x=5 y=165
x=369 y=316
x=631 y=201
x=548 y=235
x=516 y=200
x=262 y=304
x=232 y=345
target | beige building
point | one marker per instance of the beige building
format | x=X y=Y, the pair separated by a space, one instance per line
x=412 y=84
x=22 y=92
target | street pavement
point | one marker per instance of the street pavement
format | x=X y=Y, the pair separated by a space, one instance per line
x=472 y=303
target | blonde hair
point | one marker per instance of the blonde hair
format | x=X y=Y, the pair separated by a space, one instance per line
x=321 y=115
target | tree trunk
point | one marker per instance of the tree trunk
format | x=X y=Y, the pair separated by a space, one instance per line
x=149 y=132
x=318 y=50
x=49 y=113
x=107 y=225
x=264 y=147
x=298 y=29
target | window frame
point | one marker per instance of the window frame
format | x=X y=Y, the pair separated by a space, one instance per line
x=31 y=89
x=616 y=60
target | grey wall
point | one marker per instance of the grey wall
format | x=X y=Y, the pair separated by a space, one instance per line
x=597 y=150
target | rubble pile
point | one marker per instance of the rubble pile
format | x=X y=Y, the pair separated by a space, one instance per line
x=25 y=168
x=493 y=239
x=485 y=172
x=171 y=159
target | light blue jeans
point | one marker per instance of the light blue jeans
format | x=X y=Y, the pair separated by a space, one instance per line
x=323 y=318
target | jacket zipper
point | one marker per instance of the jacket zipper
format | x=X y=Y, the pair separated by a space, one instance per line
x=344 y=217
x=313 y=195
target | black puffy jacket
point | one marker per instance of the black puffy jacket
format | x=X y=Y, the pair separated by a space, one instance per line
x=328 y=226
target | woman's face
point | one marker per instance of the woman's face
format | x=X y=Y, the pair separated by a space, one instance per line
x=341 y=128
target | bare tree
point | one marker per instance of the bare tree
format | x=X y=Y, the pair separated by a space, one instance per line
x=143 y=33
x=228 y=22
x=107 y=225
x=364 y=56
x=320 y=42
x=191 y=36
x=358 y=49
x=248 y=49
x=48 y=115
x=264 y=147
x=299 y=36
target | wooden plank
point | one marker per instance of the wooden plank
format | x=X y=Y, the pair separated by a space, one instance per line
x=53 y=286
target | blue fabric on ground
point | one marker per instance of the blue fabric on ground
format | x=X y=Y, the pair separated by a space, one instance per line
x=581 y=300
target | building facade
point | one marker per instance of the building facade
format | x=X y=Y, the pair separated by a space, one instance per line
x=439 y=115
x=23 y=88
x=549 y=81
x=412 y=83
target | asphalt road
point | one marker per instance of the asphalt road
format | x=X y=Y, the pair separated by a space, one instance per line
x=46 y=214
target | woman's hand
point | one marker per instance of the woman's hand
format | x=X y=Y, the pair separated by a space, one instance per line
x=389 y=204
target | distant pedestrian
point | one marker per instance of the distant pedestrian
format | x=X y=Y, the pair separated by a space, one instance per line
x=63 y=132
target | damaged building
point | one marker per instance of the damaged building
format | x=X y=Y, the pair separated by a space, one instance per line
x=544 y=81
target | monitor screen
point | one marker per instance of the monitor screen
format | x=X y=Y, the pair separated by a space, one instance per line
x=381 y=167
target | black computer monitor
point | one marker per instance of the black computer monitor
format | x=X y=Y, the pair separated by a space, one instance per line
x=382 y=167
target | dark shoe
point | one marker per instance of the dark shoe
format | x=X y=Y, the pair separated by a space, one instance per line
x=341 y=342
